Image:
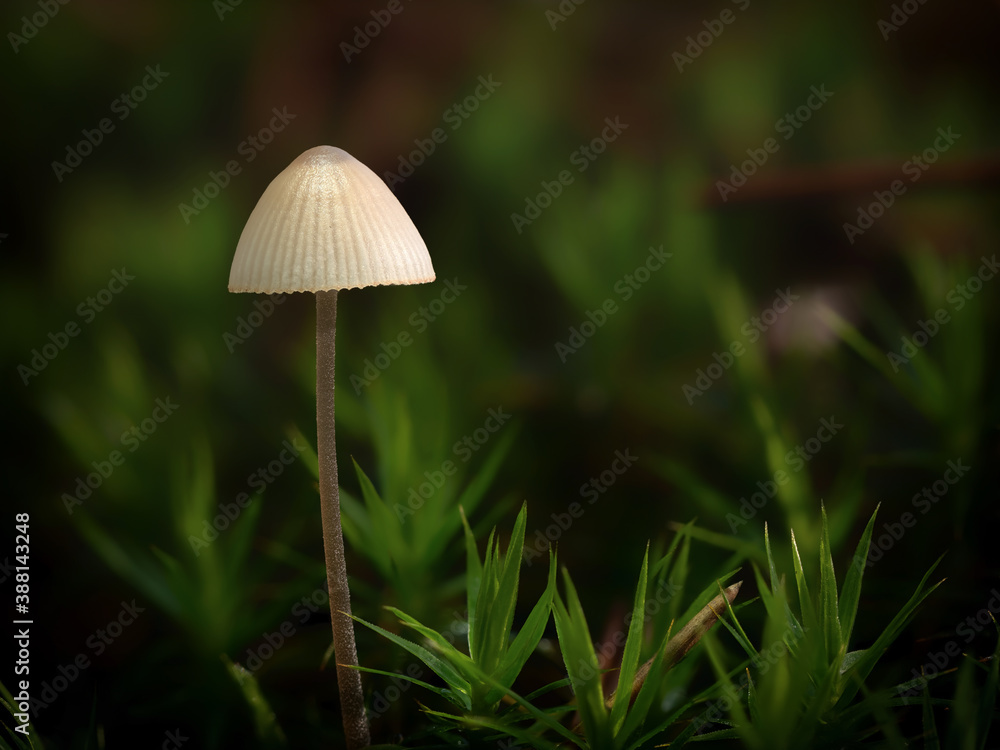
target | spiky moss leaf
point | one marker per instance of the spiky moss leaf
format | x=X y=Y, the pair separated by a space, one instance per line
x=736 y=630
x=497 y=626
x=662 y=568
x=473 y=581
x=855 y=677
x=767 y=592
x=546 y=717
x=679 y=645
x=850 y=595
x=492 y=594
x=436 y=537
x=820 y=700
x=782 y=682
x=712 y=713
x=706 y=595
x=475 y=490
x=454 y=657
x=529 y=738
x=777 y=585
x=133 y=566
x=807 y=609
x=753 y=706
x=461 y=690
x=771 y=568
x=386 y=543
x=444 y=693
x=829 y=607
x=470 y=718
x=216 y=593
x=357 y=526
x=639 y=712
x=741 y=548
x=581 y=664
x=546 y=689
x=886 y=723
x=484 y=599
x=720 y=734
x=265 y=722
x=794 y=494
x=682 y=569
x=531 y=632
x=740 y=720
x=307 y=454
x=671 y=573
x=630 y=656
x=912 y=389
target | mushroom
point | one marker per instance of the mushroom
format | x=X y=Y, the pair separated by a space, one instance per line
x=327 y=222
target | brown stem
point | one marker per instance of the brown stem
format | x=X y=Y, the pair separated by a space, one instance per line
x=352 y=698
x=685 y=640
x=838 y=180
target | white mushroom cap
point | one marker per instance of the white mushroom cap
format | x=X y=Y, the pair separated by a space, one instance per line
x=328 y=222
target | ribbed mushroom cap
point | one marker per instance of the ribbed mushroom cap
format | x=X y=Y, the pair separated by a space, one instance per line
x=327 y=222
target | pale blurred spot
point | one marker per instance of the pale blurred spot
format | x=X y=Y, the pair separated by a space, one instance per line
x=804 y=328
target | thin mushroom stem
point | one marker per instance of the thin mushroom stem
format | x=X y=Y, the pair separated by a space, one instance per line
x=352 y=699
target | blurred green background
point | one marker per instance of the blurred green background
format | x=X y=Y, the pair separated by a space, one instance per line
x=523 y=94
